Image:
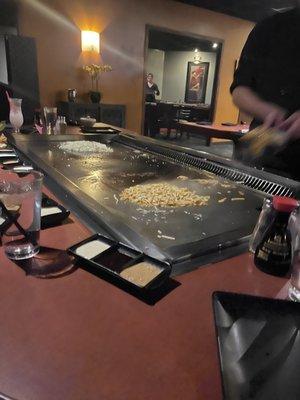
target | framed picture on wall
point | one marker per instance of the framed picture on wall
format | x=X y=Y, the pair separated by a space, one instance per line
x=196 y=82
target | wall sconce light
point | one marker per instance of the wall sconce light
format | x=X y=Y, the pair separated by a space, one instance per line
x=197 y=57
x=215 y=45
x=90 y=41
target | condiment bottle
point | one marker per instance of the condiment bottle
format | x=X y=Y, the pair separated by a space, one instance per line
x=273 y=255
x=63 y=125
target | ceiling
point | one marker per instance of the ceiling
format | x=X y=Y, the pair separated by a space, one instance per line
x=8 y=13
x=167 y=41
x=253 y=10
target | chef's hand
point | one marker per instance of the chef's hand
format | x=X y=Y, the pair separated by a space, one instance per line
x=275 y=117
x=292 y=125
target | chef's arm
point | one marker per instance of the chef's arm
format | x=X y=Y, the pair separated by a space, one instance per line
x=249 y=102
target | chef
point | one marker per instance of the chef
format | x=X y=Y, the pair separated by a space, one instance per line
x=267 y=84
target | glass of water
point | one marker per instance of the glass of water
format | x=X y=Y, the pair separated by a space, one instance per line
x=50 y=114
x=20 y=199
x=294 y=226
x=294 y=288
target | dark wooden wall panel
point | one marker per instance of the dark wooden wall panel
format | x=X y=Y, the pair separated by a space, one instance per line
x=23 y=73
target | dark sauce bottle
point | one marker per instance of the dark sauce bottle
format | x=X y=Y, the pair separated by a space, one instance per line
x=273 y=255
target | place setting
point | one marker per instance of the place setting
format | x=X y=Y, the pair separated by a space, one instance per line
x=24 y=212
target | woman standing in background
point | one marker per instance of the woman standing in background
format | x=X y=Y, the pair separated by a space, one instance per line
x=151 y=89
x=150 y=124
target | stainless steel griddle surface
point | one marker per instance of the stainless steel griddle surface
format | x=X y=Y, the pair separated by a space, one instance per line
x=103 y=177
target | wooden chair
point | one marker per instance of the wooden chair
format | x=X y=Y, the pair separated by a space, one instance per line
x=168 y=117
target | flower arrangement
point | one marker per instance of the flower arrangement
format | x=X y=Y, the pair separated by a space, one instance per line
x=94 y=72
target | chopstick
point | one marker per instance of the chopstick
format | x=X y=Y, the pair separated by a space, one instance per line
x=13 y=220
x=5 y=397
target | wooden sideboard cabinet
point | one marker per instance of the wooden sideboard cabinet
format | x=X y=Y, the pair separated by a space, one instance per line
x=112 y=114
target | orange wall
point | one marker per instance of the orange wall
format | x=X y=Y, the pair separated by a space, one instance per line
x=56 y=25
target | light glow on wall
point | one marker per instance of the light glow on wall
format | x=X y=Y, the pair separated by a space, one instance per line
x=197 y=57
x=90 y=41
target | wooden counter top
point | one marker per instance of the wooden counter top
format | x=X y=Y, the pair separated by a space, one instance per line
x=78 y=337
x=218 y=131
x=216 y=127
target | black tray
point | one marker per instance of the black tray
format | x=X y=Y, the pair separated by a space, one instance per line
x=10 y=166
x=53 y=219
x=103 y=130
x=48 y=220
x=5 y=156
x=259 y=347
x=7 y=150
x=91 y=265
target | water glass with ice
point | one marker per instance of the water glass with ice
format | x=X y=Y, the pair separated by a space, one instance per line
x=21 y=196
x=294 y=288
x=50 y=114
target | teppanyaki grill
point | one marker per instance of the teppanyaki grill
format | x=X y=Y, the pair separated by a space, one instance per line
x=93 y=184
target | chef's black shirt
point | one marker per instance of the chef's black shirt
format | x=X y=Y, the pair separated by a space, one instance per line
x=270 y=65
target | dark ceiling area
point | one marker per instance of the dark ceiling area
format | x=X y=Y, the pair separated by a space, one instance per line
x=8 y=15
x=252 y=10
x=167 y=41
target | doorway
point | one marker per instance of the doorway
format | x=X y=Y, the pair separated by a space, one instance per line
x=181 y=77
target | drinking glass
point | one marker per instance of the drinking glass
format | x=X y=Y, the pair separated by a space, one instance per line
x=50 y=114
x=15 y=114
x=20 y=200
x=294 y=288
